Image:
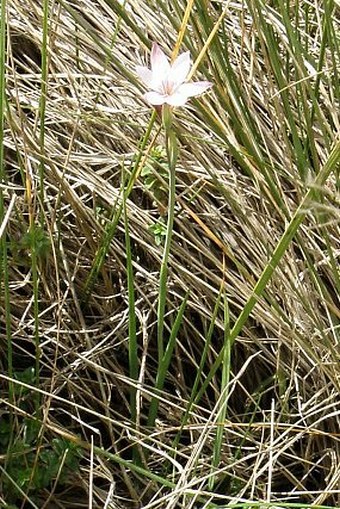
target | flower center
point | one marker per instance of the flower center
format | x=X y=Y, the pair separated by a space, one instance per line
x=167 y=87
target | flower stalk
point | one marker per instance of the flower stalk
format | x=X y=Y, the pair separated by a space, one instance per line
x=172 y=155
x=167 y=89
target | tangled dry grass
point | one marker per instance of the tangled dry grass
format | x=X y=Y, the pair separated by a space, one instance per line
x=239 y=180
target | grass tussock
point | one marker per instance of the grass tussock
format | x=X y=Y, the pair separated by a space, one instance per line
x=243 y=408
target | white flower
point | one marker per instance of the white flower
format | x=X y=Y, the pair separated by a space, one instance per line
x=167 y=81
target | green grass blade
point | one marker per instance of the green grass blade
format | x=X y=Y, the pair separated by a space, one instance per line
x=200 y=370
x=165 y=362
x=105 y=241
x=298 y=217
x=133 y=346
x=222 y=412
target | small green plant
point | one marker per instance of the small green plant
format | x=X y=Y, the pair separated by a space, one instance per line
x=101 y=215
x=154 y=171
x=38 y=240
x=154 y=174
x=55 y=461
x=21 y=248
x=159 y=231
x=31 y=465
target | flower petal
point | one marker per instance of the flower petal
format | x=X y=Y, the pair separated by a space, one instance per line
x=149 y=79
x=193 y=89
x=176 y=99
x=159 y=62
x=155 y=98
x=145 y=75
x=180 y=68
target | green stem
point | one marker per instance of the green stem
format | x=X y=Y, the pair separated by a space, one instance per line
x=35 y=282
x=171 y=148
x=105 y=242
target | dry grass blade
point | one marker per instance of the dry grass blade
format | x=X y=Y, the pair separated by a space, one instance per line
x=249 y=152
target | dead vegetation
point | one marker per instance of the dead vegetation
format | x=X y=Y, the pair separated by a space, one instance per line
x=240 y=178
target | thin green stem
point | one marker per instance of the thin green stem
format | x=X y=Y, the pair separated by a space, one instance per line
x=133 y=353
x=171 y=147
x=165 y=363
x=35 y=281
x=199 y=372
x=116 y=215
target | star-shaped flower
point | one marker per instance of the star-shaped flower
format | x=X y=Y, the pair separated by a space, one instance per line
x=167 y=82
